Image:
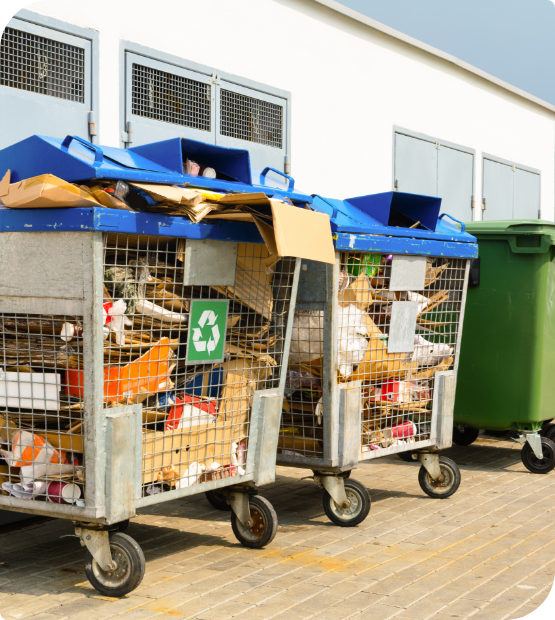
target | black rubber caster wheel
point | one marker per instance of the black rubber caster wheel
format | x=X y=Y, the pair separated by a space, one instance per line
x=449 y=485
x=218 y=500
x=123 y=525
x=264 y=526
x=533 y=463
x=354 y=514
x=129 y=572
x=464 y=436
x=406 y=456
x=549 y=432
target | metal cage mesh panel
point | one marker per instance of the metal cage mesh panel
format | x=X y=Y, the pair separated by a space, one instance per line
x=397 y=388
x=170 y=98
x=41 y=423
x=196 y=414
x=251 y=119
x=40 y=65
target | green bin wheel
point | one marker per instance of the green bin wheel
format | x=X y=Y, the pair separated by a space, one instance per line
x=449 y=485
x=464 y=436
x=549 y=432
x=129 y=571
x=358 y=510
x=218 y=500
x=533 y=463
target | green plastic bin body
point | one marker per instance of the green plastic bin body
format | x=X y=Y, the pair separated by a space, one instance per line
x=506 y=376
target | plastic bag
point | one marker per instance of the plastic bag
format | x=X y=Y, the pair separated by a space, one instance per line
x=352 y=344
x=307 y=337
x=298 y=380
x=429 y=354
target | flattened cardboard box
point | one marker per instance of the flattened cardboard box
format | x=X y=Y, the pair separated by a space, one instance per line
x=44 y=191
x=181 y=448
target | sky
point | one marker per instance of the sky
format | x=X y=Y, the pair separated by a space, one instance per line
x=514 y=40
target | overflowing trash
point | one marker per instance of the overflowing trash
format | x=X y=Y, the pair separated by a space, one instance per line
x=397 y=388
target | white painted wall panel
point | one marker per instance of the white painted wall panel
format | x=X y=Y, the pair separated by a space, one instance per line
x=350 y=85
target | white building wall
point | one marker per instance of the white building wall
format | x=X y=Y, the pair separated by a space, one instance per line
x=350 y=85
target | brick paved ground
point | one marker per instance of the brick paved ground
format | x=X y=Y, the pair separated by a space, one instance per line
x=486 y=553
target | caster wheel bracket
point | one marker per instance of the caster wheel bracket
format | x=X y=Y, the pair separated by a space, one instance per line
x=535 y=441
x=335 y=486
x=239 y=503
x=98 y=543
x=431 y=464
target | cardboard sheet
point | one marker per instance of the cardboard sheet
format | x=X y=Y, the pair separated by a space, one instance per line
x=171 y=194
x=302 y=233
x=43 y=192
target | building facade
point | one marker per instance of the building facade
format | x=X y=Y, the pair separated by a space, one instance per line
x=346 y=105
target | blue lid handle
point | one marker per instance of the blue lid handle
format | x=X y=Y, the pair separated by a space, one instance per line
x=98 y=154
x=463 y=225
x=267 y=169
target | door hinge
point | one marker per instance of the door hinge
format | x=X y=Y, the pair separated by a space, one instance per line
x=215 y=79
x=437 y=146
x=127 y=136
x=484 y=204
x=472 y=202
x=396 y=185
x=286 y=165
x=91 y=119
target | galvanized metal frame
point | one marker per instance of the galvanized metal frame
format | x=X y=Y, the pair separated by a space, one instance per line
x=335 y=446
x=56 y=25
x=265 y=413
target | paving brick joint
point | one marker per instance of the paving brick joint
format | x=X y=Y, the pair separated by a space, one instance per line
x=487 y=553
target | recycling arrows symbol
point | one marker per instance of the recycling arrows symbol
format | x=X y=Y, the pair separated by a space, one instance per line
x=208 y=317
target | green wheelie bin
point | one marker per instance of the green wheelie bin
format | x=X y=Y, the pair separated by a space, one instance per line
x=506 y=375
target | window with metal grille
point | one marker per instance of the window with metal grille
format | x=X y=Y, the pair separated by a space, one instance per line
x=41 y=65
x=170 y=98
x=251 y=119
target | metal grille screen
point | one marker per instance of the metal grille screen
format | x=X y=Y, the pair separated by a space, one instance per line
x=251 y=119
x=41 y=65
x=170 y=98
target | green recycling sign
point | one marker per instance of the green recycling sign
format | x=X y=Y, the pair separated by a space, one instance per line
x=207 y=331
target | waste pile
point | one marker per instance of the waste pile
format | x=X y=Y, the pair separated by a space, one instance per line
x=397 y=388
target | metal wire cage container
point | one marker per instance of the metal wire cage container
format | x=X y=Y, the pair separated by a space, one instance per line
x=136 y=369
x=374 y=353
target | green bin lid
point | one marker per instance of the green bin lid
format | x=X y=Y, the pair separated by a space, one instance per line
x=511 y=227
x=524 y=236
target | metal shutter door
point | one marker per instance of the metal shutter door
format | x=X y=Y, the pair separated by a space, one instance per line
x=526 y=194
x=455 y=182
x=498 y=191
x=164 y=101
x=45 y=83
x=415 y=165
x=253 y=120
